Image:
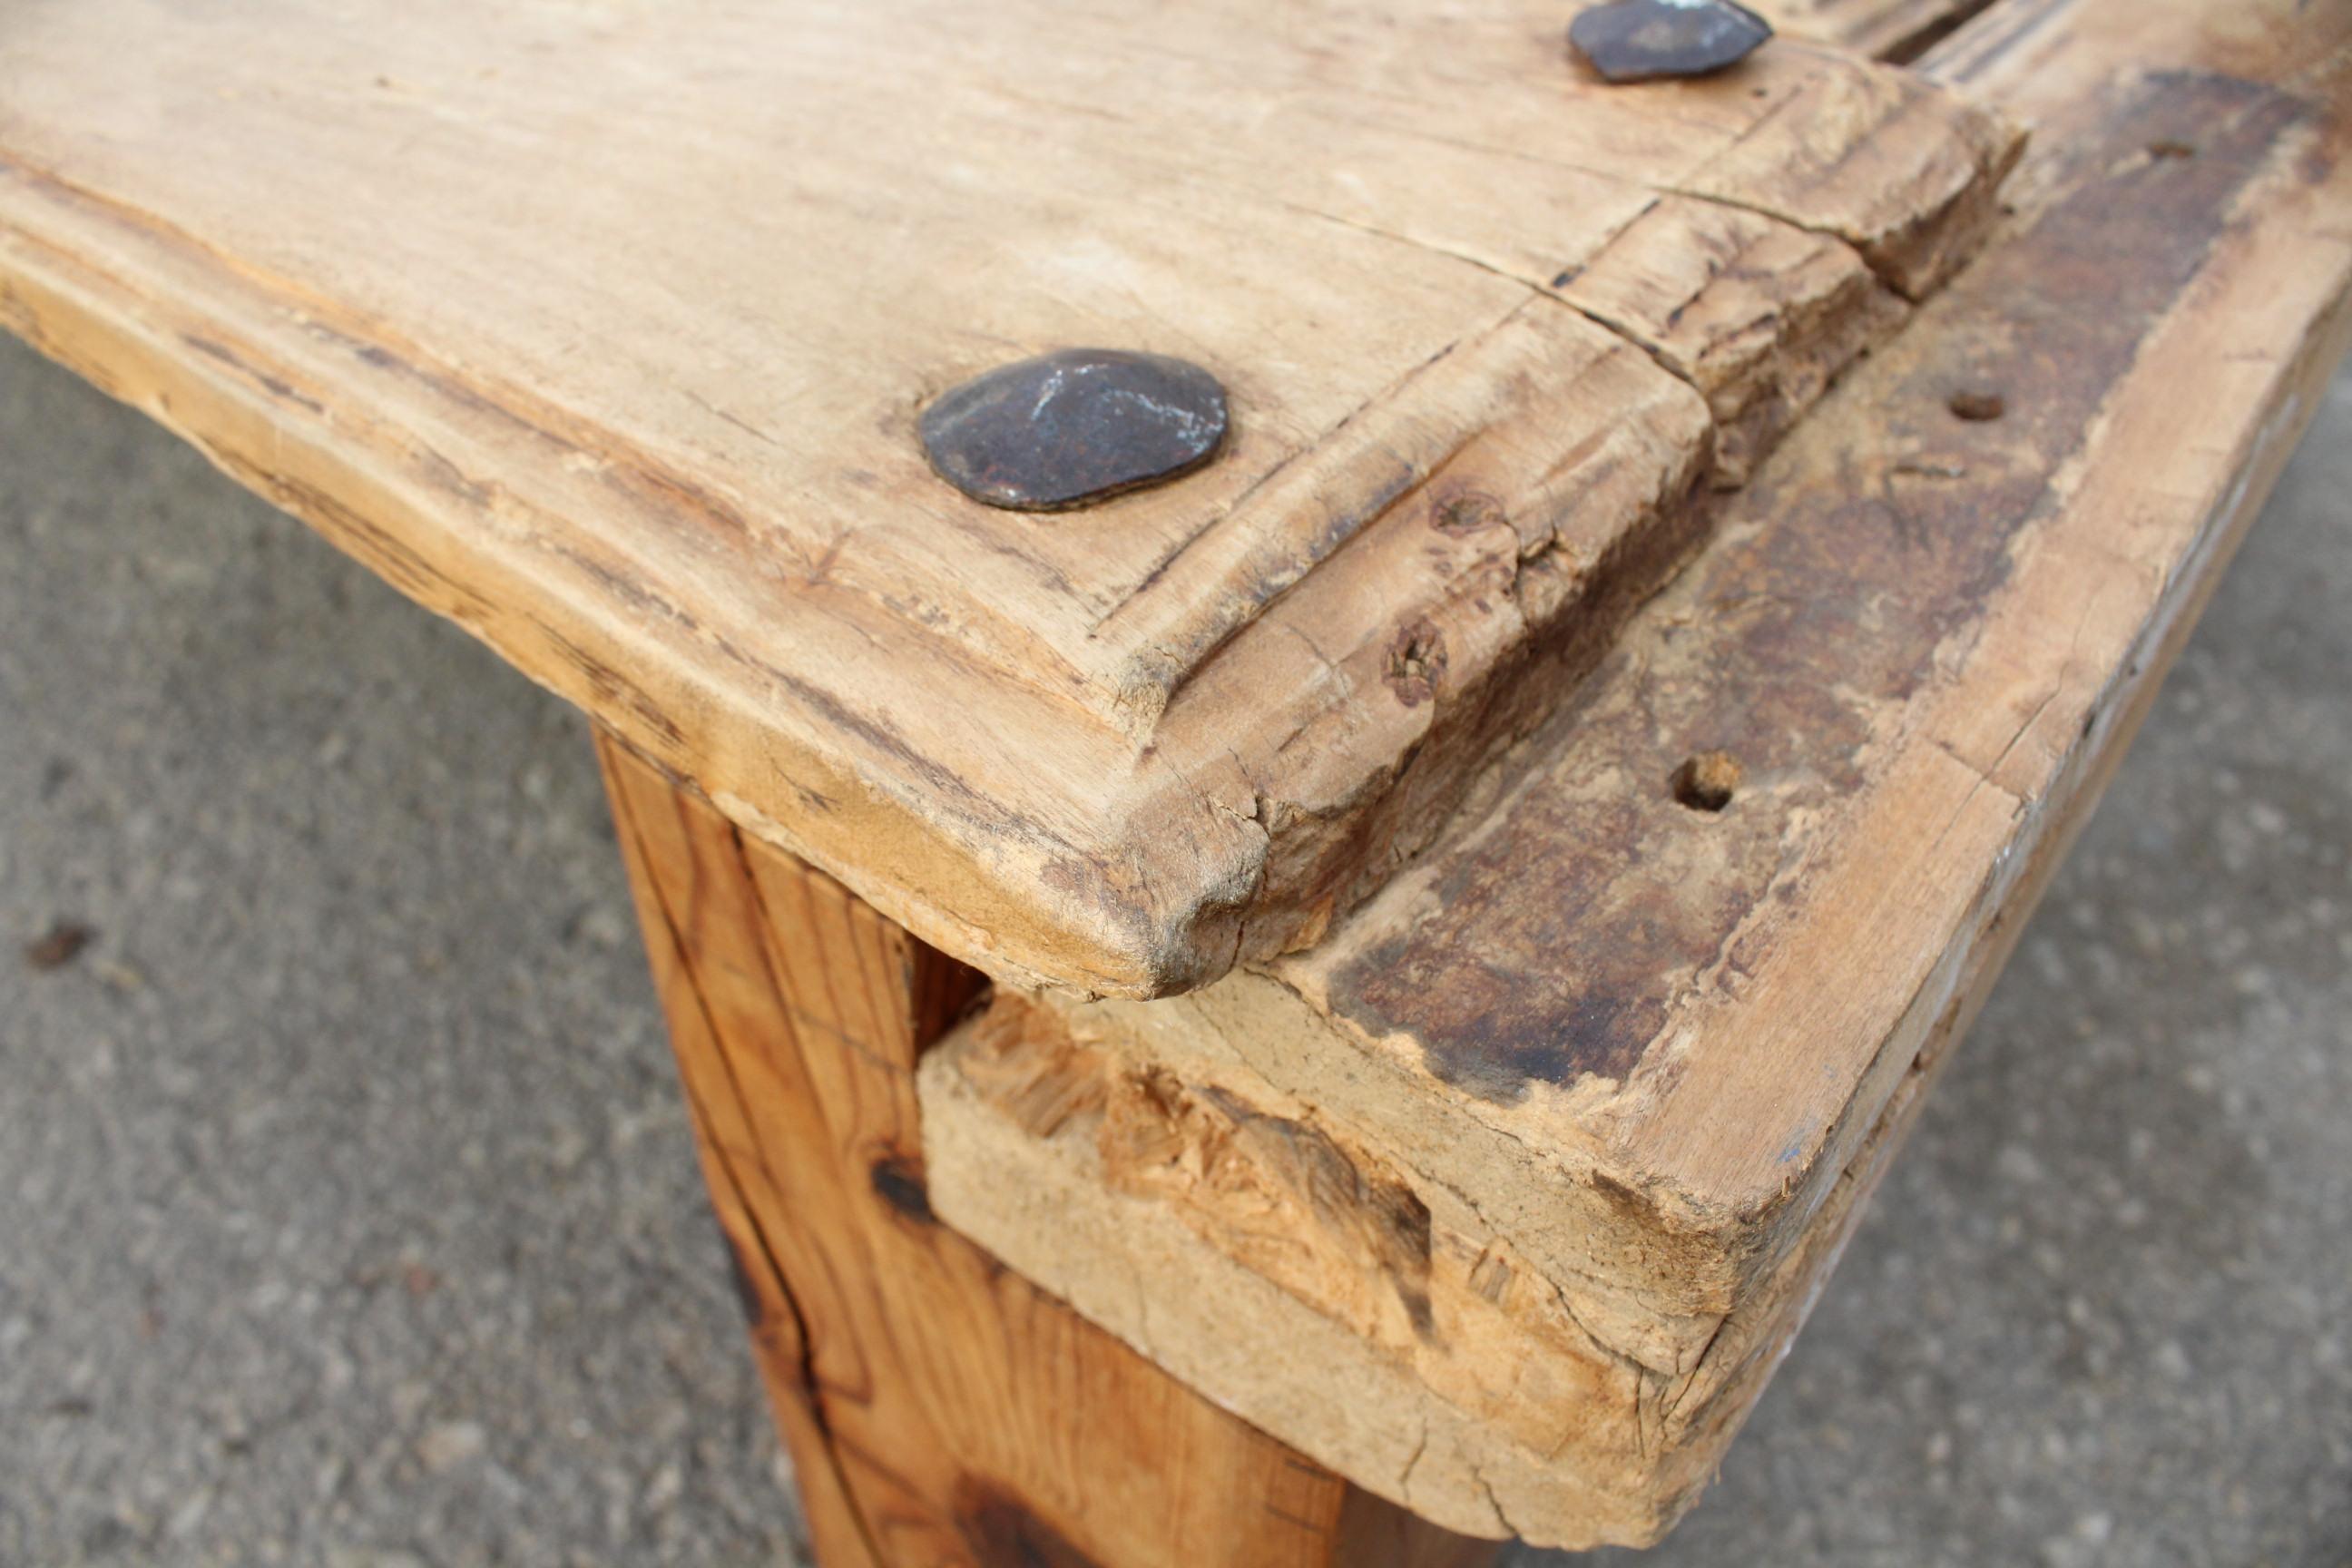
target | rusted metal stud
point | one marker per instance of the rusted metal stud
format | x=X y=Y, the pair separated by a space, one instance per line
x=1074 y=427
x=1642 y=40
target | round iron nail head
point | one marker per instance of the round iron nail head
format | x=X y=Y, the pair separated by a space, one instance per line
x=1644 y=40
x=1074 y=427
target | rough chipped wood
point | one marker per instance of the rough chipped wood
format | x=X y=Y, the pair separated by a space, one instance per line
x=1543 y=1152
x=939 y=1410
x=604 y=331
x=1760 y=351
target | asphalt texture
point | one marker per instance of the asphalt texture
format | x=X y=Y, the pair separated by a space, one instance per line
x=349 y=1214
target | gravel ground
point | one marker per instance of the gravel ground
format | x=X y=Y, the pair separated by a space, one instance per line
x=348 y=1214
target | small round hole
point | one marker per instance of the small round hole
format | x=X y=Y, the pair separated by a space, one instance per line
x=1706 y=782
x=1976 y=406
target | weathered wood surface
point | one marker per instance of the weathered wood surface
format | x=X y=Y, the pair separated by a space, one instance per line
x=940 y=1411
x=1884 y=29
x=1542 y=1153
x=603 y=330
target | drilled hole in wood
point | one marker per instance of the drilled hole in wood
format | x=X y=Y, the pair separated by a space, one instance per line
x=1706 y=782
x=1976 y=406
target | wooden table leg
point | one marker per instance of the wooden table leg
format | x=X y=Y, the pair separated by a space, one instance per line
x=939 y=1409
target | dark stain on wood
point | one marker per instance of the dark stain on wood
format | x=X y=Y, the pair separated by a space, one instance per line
x=898 y=1180
x=1848 y=566
x=1002 y=1531
x=1621 y=1196
x=1467 y=513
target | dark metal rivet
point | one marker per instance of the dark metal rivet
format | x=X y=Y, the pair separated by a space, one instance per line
x=1073 y=427
x=1640 y=40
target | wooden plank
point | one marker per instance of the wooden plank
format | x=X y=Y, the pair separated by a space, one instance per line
x=939 y=1409
x=1543 y=1152
x=604 y=331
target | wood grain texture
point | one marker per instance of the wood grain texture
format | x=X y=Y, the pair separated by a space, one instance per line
x=940 y=1411
x=603 y=330
x=1543 y=1152
x=1883 y=30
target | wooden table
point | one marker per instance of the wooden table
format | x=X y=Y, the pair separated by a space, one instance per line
x=1340 y=1008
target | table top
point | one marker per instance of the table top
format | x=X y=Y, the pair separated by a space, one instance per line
x=1614 y=768
x=605 y=329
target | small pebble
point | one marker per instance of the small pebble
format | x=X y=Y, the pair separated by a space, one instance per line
x=60 y=946
x=449 y=1445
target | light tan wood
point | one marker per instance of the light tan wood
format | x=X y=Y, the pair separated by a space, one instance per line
x=1543 y=1152
x=602 y=330
x=939 y=1410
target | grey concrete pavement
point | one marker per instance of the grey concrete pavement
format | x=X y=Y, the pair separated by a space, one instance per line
x=348 y=1214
